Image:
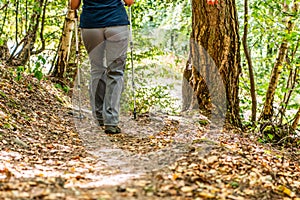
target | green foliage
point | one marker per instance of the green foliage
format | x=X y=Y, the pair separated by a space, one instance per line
x=280 y=134
x=163 y=25
x=64 y=88
x=271 y=136
x=267 y=30
x=2 y=94
x=7 y=126
x=154 y=79
x=234 y=184
x=153 y=97
x=17 y=22
x=37 y=71
x=38 y=74
x=1 y=42
x=29 y=86
x=150 y=98
x=203 y=122
x=20 y=70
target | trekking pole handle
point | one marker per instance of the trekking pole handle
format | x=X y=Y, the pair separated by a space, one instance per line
x=76 y=32
x=130 y=26
x=77 y=47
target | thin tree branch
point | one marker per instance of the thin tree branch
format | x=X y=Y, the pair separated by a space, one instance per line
x=249 y=61
x=26 y=15
x=4 y=18
x=16 y=18
x=4 y=6
x=296 y=120
x=42 y=30
x=291 y=83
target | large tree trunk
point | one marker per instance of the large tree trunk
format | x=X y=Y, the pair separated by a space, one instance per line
x=64 y=49
x=215 y=51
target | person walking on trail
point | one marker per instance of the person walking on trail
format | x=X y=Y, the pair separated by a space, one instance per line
x=105 y=34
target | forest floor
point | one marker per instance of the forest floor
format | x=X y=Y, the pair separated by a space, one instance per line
x=46 y=152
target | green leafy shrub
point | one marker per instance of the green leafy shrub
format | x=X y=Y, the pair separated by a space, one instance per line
x=20 y=70
x=64 y=88
x=151 y=97
x=37 y=71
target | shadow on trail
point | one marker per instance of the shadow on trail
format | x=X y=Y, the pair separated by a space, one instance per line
x=147 y=144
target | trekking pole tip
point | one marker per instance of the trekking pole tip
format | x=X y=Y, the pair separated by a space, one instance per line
x=134 y=113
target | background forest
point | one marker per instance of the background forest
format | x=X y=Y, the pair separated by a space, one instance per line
x=175 y=149
x=33 y=34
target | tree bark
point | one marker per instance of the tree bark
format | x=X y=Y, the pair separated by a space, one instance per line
x=296 y=120
x=4 y=51
x=216 y=58
x=64 y=49
x=187 y=92
x=189 y=99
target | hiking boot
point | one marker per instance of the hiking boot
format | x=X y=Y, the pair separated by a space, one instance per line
x=112 y=129
x=100 y=122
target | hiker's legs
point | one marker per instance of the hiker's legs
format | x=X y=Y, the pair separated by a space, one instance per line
x=94 y=43
x=116 y=49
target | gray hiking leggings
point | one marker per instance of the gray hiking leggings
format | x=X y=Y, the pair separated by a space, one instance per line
x=107 y=48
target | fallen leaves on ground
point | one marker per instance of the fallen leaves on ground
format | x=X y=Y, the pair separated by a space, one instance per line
x=42 y=155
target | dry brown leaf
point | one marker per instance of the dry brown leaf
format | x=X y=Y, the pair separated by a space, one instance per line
x=286 y=191
x=206 y=195
x=187 y=189
x=235 y=197
x=212 y=159
x=175 y=176
x=166 y=187
x=248 y=191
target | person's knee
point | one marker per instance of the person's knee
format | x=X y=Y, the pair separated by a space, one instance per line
x=97 y=72
x=120 y=61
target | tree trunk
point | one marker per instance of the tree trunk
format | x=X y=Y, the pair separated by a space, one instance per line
x=4 y=51
x=296 y=120
x=267 y=112
x=215 y=51
x=189 y=99
x=22 y=57
x=64 y=49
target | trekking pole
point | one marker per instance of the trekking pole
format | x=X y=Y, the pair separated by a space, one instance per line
x=77 y=63
x=132 y=70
